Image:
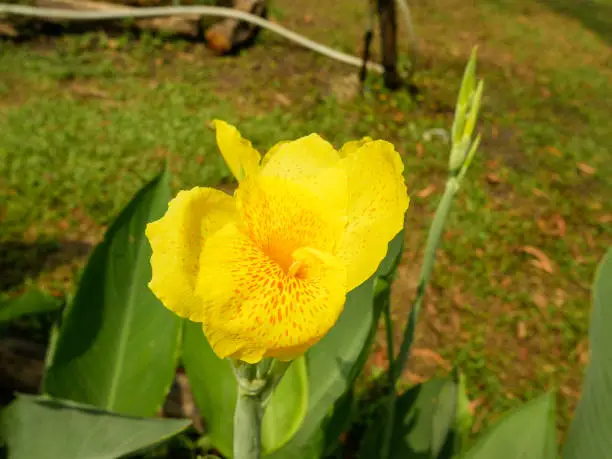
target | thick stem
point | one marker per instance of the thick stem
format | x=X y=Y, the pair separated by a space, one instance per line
x=247 y=425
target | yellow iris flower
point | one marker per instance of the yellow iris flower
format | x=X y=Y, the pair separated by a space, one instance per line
x=266 y=271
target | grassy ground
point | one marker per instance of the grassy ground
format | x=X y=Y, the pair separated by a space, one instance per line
x=86 y=119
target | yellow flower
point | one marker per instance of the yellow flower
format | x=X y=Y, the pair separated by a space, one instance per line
x=267 y=271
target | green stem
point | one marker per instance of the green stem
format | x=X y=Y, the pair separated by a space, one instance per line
x=396 y=368
x=433 y=240
x=391 y=372
x=247 y=425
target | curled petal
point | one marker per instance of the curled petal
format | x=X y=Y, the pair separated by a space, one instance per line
x=300 y=158
x=254 y=308
x=177 y=239
x=239 y=154
x=352 y=146
x=377 y=203
x=311 y=162
x=280 y=216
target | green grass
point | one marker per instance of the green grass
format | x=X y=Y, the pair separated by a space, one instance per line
x=86 y=120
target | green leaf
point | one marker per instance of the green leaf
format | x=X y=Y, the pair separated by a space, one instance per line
x=526 y=433
x=214 y=388
x=31 y=302
x=590 y=432
x=118 y=346
x=43 y=428
x=424 y=416
x=335 y=362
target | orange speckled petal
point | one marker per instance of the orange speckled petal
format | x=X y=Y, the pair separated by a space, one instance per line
x=177 y=239
x=280 y=216
x=239 y=154
x=256 y=309
x=377 y=203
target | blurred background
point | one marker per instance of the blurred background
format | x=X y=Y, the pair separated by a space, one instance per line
x=90 y=112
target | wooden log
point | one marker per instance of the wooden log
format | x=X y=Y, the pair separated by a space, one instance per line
x=182 y=25
x=230 y=34
x=387 y=15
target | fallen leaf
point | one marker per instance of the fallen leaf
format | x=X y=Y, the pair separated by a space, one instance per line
x=539 y=193
x=506 y=282
x=588 y=170
x=307 y=19
x=419 y=149
x=521 y=330
x=542 y=261
x=427 y=191
x=523 y=354
x=559 y=226
x=539 y=299
x=493 y=178
x=582 y=351
x=555 y=151
x=282 y=99
x=413 y=377
x=560 y=296
x=428 y=354
x=399 y=117
x=605 y=219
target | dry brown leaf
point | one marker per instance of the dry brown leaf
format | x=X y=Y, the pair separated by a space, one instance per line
x=585 y=168
x=493 y=178
x=539 y=193
x=554 y=228
x=282 y=99
x=521 y=330
x=427 y=191
x=605 y=219
x=428 y=354
x=542 y=261
x=554 y=150
x=413 y=377
x=419 y=149
x=539 y=299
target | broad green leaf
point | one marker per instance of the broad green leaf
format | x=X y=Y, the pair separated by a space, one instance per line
x=424 y=416
x=526 y=433
x=31 y=302
x=43 y=428
x=590 y=434
x=118 y=346
x=334 y=363
x=214 y=388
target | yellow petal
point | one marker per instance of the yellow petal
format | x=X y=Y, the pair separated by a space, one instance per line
x=300 y=158
x=255 y=309
x=239 y=154
x=272 y=151
x=377 y=202
x=352 y=146
x=177 y=239
x=313 y=163
x=280 y=216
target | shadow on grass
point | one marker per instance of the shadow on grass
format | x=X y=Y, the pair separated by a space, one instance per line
x=20 y=261
x=596 y=15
